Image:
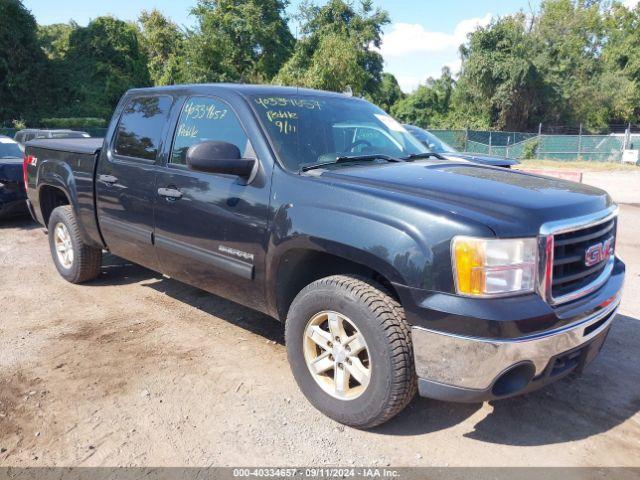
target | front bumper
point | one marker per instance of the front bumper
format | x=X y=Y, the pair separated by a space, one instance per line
x=466 y=369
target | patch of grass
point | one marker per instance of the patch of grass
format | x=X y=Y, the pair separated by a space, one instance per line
x=580 y=165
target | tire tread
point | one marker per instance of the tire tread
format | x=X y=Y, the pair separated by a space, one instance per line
x=389 y=315
x=89 y=258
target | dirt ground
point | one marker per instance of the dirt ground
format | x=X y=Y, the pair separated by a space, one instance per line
x=138 y=370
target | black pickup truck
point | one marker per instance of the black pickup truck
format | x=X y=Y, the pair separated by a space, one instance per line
x=392 y=268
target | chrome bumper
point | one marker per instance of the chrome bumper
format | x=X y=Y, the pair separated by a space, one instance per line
x=452 y=367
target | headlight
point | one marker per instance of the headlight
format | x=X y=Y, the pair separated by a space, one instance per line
x=485 y=267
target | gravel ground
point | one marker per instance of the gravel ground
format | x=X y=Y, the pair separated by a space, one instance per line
x=622 y=185
x=138 y=370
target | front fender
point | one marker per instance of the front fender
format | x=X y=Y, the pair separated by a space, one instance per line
x=394 y=249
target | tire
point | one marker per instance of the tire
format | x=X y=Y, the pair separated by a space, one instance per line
x=365 y=307
x=85 y=261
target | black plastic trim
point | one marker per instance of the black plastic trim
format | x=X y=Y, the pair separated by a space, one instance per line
x=231 y=265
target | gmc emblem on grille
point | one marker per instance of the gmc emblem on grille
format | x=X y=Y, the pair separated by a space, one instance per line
x=599 y=252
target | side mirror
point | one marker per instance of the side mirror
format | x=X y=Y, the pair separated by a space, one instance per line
x=220 y=157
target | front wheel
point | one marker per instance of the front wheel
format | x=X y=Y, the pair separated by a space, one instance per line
x=350 y=350
x=75 y=261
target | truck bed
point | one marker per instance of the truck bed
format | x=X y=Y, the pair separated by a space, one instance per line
x=89 y=146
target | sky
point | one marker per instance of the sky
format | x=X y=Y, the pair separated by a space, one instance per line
x=423 y=36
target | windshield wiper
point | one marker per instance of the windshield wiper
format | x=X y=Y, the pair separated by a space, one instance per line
x=418 y=156
x=352 y=158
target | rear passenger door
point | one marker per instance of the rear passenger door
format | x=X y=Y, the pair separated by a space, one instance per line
x=212 y=234
x=126 y=179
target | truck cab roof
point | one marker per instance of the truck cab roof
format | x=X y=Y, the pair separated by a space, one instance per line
x=237 y=88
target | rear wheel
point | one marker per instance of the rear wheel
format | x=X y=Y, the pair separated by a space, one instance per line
x=74 y=260
x=350 y=350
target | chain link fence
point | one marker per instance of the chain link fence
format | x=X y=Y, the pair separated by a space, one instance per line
x=519 y=146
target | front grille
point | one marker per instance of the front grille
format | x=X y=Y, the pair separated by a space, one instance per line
x=570 y=272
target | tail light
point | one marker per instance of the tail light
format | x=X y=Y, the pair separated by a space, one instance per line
x=28 y=160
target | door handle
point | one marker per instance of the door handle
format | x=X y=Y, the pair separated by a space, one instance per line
x=170 y=193
x=108 y=179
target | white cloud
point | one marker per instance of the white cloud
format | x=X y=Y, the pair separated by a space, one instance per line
x=412 y=53
x=410 y=38
x=630 y=3
x=408 y=83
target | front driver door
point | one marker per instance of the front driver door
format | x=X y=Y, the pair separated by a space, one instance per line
x=211 y=229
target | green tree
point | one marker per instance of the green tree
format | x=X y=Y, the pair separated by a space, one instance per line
x=162 y=42
x=237 y=41
x=104 y=60
x=567 y=38
x=54 y=39
x=500 y=85
x=22 y=63
x=621 y=64
x=338 y=48
x=388 y=92
x=430 y=104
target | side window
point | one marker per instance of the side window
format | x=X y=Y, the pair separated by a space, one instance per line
x=205 y=118
x=140 y=127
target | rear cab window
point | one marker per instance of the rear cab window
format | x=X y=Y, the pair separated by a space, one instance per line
x=141 y=126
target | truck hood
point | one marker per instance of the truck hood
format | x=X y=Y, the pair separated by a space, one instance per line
x=509 y=202
x=481 y=159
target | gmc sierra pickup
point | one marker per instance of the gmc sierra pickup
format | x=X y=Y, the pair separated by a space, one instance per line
x=392 y=268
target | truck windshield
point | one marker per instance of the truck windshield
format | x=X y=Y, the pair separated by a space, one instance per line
x=307 y=129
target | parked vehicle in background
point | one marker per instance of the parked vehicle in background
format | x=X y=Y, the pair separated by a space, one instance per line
x=13 y=198
x=23 y=136
x=434 y=144
x=392 y=268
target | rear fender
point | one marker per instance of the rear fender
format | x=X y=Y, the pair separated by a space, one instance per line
x=58 y=174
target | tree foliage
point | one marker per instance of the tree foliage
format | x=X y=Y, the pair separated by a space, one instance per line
x=237 y=41
x=621 y=64
x=104 y=60
x=22 y=62
x=430 y=104
x=568 y=62
x=572 y=62
x=54 y=39
x=162 y=42
x=500 y=85
x=388 y=92
x=338 y=48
